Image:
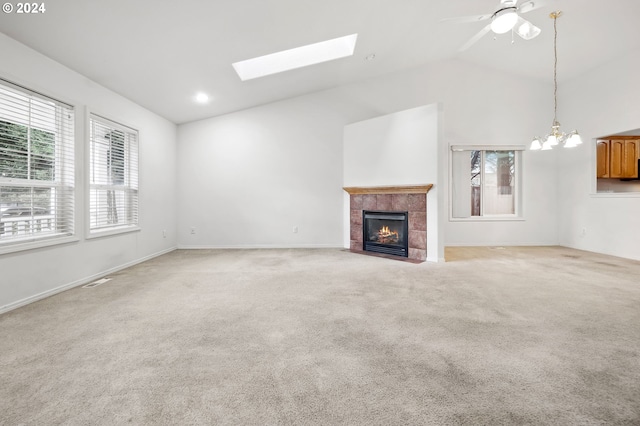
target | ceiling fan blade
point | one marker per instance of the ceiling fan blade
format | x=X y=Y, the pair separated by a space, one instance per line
x=526 y=29
x=528 y=6
x=475 y=38
x=467 y=19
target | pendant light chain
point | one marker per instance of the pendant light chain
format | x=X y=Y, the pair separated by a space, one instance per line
x=555 y=70
x=556 y=136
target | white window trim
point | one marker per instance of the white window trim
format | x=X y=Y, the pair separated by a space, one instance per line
x=505 y=218
x=52 y=240
x=518 y=216
x=488 y=148
x=90 y=234
x=41 y=243
x=615 y=195
x=111 y=231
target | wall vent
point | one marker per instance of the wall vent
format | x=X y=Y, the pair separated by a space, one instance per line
x=96 y=283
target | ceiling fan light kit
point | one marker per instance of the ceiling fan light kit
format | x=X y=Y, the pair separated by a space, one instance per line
x=526 y=29
x=504 y=20
x=556 y=136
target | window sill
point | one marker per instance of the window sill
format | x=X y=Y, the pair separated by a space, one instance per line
x=487 y=219
x=32 y=245
x=112 y=231
x=615 y=195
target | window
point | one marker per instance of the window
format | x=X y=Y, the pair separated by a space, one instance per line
x=485 y=182
x=36 y=168
x=113 y=180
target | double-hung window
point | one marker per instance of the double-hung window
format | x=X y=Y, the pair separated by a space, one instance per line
x=36 y=169
x=485 y=182
x=113 y=180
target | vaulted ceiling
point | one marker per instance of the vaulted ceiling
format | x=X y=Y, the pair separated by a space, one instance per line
x=160 y=53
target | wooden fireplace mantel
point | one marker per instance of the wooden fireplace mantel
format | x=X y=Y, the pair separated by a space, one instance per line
x=403 y=189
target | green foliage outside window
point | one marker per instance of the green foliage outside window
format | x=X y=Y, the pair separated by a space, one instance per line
x=17 y=162
x=26 y=154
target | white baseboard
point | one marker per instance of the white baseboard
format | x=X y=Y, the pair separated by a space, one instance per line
x=82 y=281
x=499 y=244
x=256 y=246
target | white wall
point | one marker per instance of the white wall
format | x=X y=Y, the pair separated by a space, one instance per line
x=397 y=149
x=285 y=158
x=32 y=274
x=601 y=102
x=247 y=179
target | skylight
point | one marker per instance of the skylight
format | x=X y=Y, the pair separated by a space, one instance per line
x=298 y=57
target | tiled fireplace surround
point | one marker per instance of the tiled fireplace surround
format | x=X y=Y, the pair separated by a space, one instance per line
x=392 y=198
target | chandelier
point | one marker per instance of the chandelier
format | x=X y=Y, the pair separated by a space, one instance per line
x=556 y=136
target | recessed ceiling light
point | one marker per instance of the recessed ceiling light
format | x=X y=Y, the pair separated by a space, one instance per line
x=202 y=98
x=298 y=57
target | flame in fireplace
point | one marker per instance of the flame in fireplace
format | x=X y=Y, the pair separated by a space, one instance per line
x=386 y=233
x=387 y=236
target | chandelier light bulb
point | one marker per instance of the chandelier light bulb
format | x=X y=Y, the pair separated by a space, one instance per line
x=575 y=137
x=535 y=144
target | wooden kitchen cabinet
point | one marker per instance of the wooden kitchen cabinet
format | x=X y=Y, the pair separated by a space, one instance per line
x=618 y=158
x=602 y=151
x=632 y=154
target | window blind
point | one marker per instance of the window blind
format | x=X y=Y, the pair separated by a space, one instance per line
x=36 y=166
x=113 y=198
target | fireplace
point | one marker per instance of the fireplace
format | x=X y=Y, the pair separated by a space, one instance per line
x=410 y=200
x=386 y=232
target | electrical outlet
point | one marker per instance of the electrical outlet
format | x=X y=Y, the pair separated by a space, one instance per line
x=295 y=229
x=583 y=232
x=193 y=229
x=164 y=233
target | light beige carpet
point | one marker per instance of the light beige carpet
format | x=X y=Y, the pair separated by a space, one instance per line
x=524 y=336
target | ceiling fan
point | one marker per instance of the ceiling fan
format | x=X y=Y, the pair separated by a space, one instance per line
x=505 y=18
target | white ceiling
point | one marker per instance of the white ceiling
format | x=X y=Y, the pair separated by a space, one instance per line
x=159 y=53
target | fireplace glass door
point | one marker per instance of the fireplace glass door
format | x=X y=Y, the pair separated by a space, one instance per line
x=386 y=232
